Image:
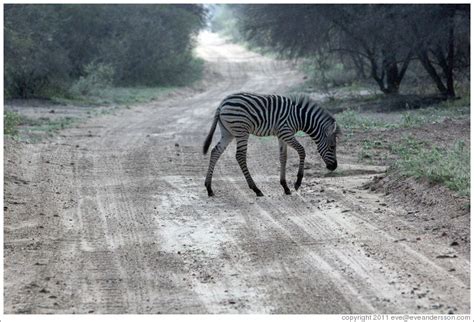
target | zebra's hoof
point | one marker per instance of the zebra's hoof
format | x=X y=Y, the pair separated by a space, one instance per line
x=259 y=193
x=210 y=193
x=297 y=185
x=287 y=191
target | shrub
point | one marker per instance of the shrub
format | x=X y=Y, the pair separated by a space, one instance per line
x=96 y=77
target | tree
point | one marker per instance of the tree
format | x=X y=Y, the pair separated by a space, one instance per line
x=383 y=39
x=441 y=34
x=51 y=45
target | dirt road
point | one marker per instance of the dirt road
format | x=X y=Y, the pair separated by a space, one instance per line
x=113 y=217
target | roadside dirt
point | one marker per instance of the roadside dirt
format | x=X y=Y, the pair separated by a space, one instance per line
x=112 y=217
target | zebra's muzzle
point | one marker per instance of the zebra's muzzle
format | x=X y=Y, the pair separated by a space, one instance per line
x=331 y=166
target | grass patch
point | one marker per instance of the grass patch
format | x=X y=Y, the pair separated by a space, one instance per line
x=351 y=119
x=116 y=95
x=32 y=129
x=434 y=114
x=370 y=149
x=449 y=167
x=11 y=120
x=47 y=125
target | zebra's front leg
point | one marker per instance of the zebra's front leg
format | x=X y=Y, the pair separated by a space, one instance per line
x=283 y=157
x=241 y=156
x=302 y=154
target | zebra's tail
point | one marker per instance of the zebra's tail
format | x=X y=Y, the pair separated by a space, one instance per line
x=208 y=140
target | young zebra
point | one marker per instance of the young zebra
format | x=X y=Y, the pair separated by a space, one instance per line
x=242 y=114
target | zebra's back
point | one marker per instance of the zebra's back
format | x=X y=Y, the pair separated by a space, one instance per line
x=261 y=115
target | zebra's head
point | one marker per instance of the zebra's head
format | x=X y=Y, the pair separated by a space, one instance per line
x=327 y=144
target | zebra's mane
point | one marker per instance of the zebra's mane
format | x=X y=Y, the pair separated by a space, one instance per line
x=303 y=99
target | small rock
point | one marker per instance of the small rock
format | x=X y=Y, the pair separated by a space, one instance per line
x=447 y=256
x=176 y=145
x=399 y=240
x=43 y=290
x=454 y=243
x=232 y=302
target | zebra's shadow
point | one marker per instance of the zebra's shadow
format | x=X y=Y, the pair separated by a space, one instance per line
x=344 y=172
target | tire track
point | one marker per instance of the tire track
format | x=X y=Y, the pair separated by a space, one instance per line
x=136 y=232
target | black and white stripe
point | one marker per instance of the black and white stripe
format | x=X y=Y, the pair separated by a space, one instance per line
x=242 y=114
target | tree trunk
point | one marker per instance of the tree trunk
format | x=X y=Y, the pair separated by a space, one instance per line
x=450 y=64
x=391 y=71
x=445 y=61
x=425 y=61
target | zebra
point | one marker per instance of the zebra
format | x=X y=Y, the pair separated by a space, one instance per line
x=242 y=114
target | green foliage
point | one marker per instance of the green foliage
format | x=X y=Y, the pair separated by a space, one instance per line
x=377 y=41
x=10 y=123
x=326 y=73
x=33 y=59
x=450 y=167
x=97 y=77
x=50 y=47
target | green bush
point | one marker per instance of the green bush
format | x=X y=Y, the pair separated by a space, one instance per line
x=97 y=77
x=49 y=47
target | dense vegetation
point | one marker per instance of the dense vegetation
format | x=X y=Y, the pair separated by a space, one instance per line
x=74 y=49
x=381 y=42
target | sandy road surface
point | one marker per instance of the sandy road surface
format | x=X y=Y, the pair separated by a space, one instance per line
x=113 y=217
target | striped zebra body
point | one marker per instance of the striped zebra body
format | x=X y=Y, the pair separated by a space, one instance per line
x=242 y=114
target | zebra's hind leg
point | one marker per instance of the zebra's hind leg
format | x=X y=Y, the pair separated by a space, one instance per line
x=241 y=156
x=215 y=155
x=283 y=156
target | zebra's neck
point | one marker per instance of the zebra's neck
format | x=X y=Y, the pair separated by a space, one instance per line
x=309 y=117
